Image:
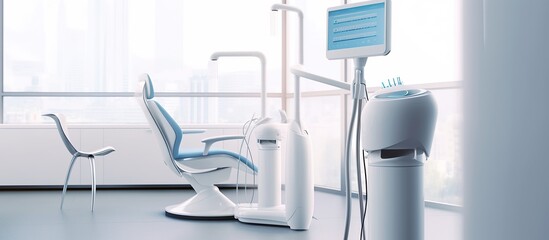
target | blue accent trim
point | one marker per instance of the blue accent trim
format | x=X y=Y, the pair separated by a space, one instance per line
x=198 y=153
x=194 y=154
x=175 y=127
x=149 y=89
x=400 y=94
x=356 y=27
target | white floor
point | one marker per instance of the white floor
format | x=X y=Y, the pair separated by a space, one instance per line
x=139 y=214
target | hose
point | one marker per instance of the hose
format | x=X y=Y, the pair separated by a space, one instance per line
x=348 y=170
x=358 y=168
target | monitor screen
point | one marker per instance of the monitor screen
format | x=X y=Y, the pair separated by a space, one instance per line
x=358 y=30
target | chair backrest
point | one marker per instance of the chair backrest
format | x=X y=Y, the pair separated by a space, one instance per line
x=162 y=124
x=61 y=128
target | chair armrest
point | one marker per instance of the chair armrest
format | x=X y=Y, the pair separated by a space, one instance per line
x=210 y=141
x=191 y=131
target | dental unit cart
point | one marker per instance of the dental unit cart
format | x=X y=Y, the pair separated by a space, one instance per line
x=398 y=131
x=398 y=127
x=297 y=211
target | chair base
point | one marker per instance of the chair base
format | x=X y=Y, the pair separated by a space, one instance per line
x=209 y=203
x=190 y=217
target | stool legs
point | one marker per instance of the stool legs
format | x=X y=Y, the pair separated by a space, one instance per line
x=92 y=164
x=67 y=180
x=93 y=186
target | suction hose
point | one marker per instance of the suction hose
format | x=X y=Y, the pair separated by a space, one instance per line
x=348 y=170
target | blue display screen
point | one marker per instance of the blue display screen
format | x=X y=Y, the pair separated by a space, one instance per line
x=359 y=26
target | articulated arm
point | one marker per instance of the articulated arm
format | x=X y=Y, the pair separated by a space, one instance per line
x=192 y=131
x=210 y=141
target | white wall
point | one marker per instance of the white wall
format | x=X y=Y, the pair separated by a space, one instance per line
x=506 y=160
x=35 y=155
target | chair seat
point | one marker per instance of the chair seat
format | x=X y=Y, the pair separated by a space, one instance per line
x=199 y=153
x=99 y=152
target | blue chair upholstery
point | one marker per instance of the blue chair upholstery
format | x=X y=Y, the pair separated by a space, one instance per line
x=194 y=154
x=202 y=168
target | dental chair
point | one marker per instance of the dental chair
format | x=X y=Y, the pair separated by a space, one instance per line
x=202 y=169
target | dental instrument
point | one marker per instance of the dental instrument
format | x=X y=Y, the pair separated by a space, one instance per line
x=354 y=31
x=398 y=127
x=297 y=212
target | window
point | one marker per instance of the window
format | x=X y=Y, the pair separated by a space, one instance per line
x=443 y=170
x=425 y=44
x=322 y=106
x=71 y=55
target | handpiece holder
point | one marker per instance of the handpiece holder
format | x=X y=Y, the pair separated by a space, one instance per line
x=359 y=90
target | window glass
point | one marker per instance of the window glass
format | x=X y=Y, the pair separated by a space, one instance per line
x=314 y=44
x=180 y=36
x=444 y=168
x=321 y=117
x=222 y=110
x=103 y=45
x=425 y=48
x=425 y=44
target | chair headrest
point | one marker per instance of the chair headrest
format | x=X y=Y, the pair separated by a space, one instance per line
x=148 y=89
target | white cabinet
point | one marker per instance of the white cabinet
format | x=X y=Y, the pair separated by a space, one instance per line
x=35 y=155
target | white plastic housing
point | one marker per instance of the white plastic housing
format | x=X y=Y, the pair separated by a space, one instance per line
x=268 y=209
x=299 y=179
x=403 y=119
x=297 y=212
x=269 y=130
x=395 y=197
x=269 y=190
x=397 y=131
